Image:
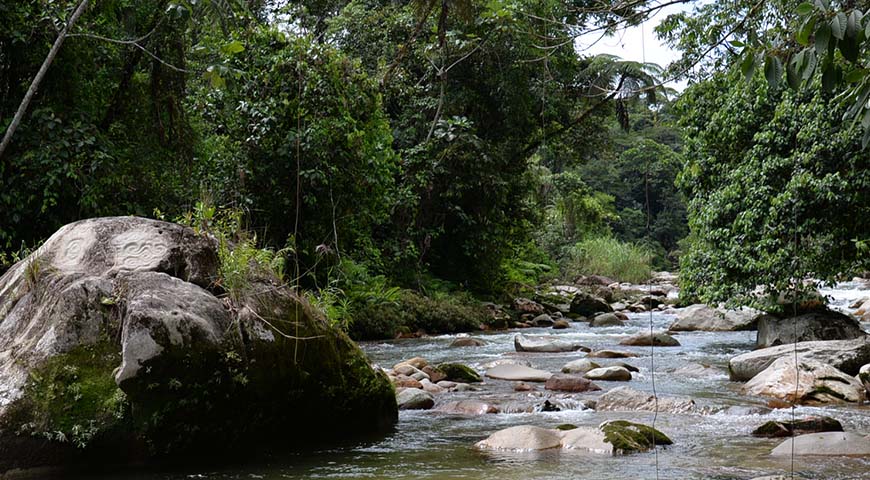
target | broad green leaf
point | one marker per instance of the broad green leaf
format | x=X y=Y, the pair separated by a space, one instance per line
x=772 y=71
x=855 y=75
x=792 y=77
x=805 y=8
x=737 y=43
x=803 y=34
x=854 y=23
x=849 y=48
x=838 y=25
x=747 y=66
x=829 y=76
x=809 y=66
x=823 y=37
x=233 y=48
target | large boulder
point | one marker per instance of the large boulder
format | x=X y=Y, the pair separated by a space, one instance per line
x=800 y=426
x=588 y=305
x=518 y=373
x=113 y=338
x=523 y=343
x=813 y=326
x=606 y=320
x=824 y=444
x=845 y=355
x=629 y=399
x=570 y=383
x=457 y=372
x=706 y=318
x=613 y=374
x=812 y=382
x=611 y=438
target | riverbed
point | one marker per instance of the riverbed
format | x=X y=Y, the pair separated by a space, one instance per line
x=714 y=444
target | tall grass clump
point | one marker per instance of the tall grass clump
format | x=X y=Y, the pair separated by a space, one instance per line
x=623 y=261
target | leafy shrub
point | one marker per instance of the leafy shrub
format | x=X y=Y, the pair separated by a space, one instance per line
x=610 y=257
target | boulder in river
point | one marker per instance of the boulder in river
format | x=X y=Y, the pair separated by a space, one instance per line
x=629 y=399
x=812 y=326
x=524 y=305
x=645 y=339
x=435 y=374
x=523 y=343
x=606 y=320
x=414 y=399
x=826 y=444
x=845 y=355
x=706 y=318
x=416 y=362
x=610 y=438
x=610 y=354
x=518 y=373
x=457 y=372
x=816 y=383
x=506 y=361
x=467 y=342
x=561 y=324
x=588 y=305
x=114 y=337
x=787 y=428
x=467 y=407
x=613 y=374
x=580 y=366
x=570 y=383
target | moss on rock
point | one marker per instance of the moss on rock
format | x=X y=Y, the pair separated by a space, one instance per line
x=627 y=437
x=457 y=372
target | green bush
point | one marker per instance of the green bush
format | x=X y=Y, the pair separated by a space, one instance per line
x=612 y=258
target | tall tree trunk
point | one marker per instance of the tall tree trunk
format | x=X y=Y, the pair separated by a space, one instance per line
x=34 y=85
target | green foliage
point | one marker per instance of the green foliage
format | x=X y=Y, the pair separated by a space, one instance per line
x=775 y=182
x=612 y=258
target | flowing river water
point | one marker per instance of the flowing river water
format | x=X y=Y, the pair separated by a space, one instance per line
x=714 y=445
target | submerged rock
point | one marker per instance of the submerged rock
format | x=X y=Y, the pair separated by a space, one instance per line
x=813 y=326
x=812 y=382
x=629 y=399
x=827 y=444
x=467 y=342
x=610 y=438
x=706 y=318
x=845 y=355
x=561 y=324
x=467 y=407
x=518 y=373
x=786 y=428
x=659 y=339
x=523 y=343
x=112 y=339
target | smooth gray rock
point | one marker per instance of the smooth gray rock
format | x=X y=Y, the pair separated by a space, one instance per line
x=631 y=400
x=522 y=438
x=414 y=399
x=659 y=339
x=813 y=326
x=817 y=383
x=706 y=318
x=523 y=343
x=845 y=355
x=518 y=373
x=613 y=374
x=825 y=444
x=606 y=320
x=580 y=366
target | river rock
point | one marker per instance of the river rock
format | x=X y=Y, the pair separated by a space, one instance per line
x=506 y=361
x=629 y=399
x=406 y=370
x=467 y=407
x=522 y=438
x=518 y=373
x=863 y=311
x=580 y=366
x=523 y=343
x=845 y=355
x=414 y=399
x=542 y=320
x=458 y=372
x=610 y=354
x=787 y=428
x=112 y=316
x=819 y=325
x=817 y=383
x=523 y=387
x=697 y=370
x=659 y=339
x=595 y=280
x=826 y=443
x=864 y=378
x=431 y=387
x=570 y=383
x=629 y=367
x=606 y=320
x=524 y=305
x=467 y=342
x=434 y=373
x=705 y=318
x=588 y=305
x=404 y=381
x=613 y=374
x=610 y=438
x=417 y=362
x=561 y=324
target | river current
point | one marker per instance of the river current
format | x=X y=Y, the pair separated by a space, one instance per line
x=713 y=445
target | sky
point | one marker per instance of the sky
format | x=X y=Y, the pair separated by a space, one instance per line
x=636 y=43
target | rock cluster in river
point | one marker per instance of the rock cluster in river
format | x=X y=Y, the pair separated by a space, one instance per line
x=610 y=438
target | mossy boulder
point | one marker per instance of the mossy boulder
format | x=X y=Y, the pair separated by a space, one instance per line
x=627 y=437
x=117 y=347
x=457 y=372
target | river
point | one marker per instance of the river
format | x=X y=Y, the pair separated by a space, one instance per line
x=716 y=445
